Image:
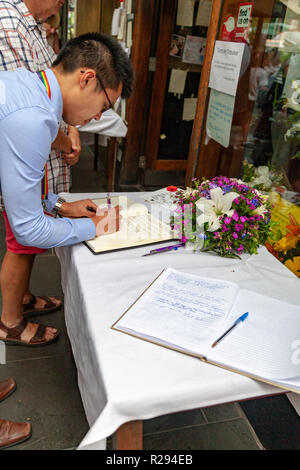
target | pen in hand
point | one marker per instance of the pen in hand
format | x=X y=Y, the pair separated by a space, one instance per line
x=108 y=200
x=241 y=318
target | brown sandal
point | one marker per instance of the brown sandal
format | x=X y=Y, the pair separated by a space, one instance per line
x=14 y=335
x=28 y=310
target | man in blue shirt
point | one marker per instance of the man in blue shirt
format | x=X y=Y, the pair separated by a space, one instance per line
x=88 y=76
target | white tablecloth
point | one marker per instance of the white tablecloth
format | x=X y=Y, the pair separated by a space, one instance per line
x=122 y=378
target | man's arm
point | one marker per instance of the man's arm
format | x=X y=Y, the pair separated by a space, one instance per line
x=21 y=173
x=69 y=145
x=62 y=142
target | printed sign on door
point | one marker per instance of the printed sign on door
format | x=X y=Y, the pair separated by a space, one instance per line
x=243 y=22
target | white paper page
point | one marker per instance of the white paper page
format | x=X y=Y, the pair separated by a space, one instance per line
x=181 y=310
x=115 y=22
x=162 y=197
x=137 y=227
x=177 y=81
x=185 y=12
x=189 y=109
x=204 y=11
x=129 y=34
x=122 y=25
x=266 y=343
x=226 y=66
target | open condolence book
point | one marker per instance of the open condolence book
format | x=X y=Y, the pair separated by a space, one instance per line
x=137 y=227
x=187 y=313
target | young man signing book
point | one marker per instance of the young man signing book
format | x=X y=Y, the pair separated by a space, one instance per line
x=86 y=79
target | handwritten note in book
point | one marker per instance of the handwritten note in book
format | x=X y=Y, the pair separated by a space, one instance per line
x=181 y=308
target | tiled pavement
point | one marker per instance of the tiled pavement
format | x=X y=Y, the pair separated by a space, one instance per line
x=48 y=396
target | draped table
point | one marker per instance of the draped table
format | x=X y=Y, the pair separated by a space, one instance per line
x=124 y=380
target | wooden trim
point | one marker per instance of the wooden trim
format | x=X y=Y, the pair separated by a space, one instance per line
x=87 y=19
x=179 y=165
x=160 y=79
x=203 y=91
x=136 y=106
x=106 y=14
x=129 y=436
x=213 y=158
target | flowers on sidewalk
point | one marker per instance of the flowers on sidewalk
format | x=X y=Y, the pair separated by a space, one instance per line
x=223 y=215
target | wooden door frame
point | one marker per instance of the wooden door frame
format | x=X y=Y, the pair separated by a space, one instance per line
x=136 y=105
x=211 y=159
x=166 y=25
x=203 y=91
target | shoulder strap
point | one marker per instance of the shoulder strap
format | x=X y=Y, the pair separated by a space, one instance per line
x=44 y=79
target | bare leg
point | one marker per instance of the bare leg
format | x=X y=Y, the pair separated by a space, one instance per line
x=27 y=293
x=14 y=279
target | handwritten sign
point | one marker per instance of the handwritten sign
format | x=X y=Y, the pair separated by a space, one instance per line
x=219 y=117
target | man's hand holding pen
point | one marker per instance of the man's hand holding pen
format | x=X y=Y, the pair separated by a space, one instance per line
x=106 y=220
x=82 y=208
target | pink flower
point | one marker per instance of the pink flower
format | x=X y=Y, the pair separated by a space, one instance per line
x=235 y=216
x=235 y=235
x=238 y=227
x=227 y=220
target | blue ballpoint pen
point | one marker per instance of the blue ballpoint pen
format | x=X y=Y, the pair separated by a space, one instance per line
x=241 y=318
x=164 y=249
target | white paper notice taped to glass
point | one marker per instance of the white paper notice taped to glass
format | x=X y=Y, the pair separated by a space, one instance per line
x=226 y=66
x=219 y=117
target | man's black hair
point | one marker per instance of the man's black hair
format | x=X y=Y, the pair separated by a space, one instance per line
x=101 y=53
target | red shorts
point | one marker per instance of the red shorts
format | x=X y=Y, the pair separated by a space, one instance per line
x=12 y=244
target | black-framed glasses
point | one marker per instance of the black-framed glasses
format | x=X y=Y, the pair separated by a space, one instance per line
x=103 y=88
x=105 y=92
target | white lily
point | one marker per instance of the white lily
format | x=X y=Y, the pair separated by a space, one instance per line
x=260 y=210
x=213 y=208
x=188 y=192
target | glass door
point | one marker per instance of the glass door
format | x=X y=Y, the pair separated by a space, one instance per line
x=264 y=131
x=178 y=58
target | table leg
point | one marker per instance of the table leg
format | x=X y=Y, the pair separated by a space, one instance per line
x=129 y=436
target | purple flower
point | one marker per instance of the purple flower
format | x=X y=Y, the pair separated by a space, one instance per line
x=235 y=216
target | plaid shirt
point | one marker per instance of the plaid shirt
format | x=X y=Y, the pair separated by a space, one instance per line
x=23 y=43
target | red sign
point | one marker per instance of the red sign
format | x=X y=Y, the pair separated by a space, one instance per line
x=243 y=22
x=228 y=28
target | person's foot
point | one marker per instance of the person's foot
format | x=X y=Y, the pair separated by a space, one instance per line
x=25 y=332
x=7 y=387
x=40 y=305
x=12 y=433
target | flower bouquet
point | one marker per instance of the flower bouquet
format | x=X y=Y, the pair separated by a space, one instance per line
x=263 y=177
x=223 y=215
